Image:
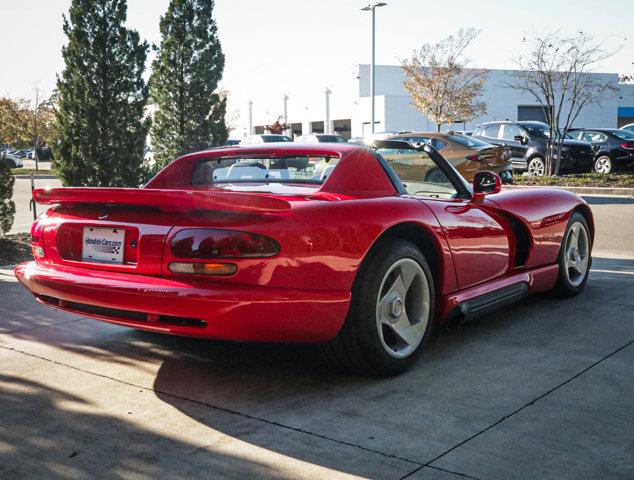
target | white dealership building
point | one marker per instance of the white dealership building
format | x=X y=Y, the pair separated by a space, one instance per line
x=350 y=114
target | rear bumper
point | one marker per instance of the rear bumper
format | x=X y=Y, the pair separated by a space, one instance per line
x=196 y=309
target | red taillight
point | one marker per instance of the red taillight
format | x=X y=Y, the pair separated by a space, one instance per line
x=36 y=241
x=217 y=243
x=627 y=145
x=476 y=157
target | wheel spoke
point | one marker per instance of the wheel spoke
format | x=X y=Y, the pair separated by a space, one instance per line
x=389 y=290
x=407 y=333
x=408 y=274
x=574 y=235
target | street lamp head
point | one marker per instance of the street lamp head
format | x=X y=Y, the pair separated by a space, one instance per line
x=372 y=6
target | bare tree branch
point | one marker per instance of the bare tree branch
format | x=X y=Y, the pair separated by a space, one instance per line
x=441 y=85
x=557 y=72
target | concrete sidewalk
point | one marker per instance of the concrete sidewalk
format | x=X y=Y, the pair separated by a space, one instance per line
x=542 y=389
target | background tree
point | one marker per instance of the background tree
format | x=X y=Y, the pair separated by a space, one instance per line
x=100 y=126
x=7 y=207
x=556 y=71
x=277 y=127
x=442 y=86
x=27 y=123
x=189 y=112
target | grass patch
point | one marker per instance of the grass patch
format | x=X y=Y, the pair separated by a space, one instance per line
x=15 y=249
x=29 y=171
x=613 y=180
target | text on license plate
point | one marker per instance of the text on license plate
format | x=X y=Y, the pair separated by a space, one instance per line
x=104 y=245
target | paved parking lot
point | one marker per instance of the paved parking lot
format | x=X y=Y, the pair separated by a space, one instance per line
x=542 y=389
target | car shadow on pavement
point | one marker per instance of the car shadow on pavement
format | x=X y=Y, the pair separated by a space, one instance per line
x=47 y=432
x=466 y=380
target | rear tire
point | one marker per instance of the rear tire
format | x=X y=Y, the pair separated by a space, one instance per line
x=390 y=315
x=536 y=167
x=574 y=257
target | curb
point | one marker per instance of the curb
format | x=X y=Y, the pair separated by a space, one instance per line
x=621 y=192
x=47 y=176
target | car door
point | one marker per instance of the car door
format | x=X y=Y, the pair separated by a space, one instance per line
x=518 y=149
x=479 y=239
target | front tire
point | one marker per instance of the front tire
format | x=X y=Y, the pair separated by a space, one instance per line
x=603 y=165
x=574 y=257
x=391 y=312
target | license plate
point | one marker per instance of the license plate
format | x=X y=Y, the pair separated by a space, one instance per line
x=103 y=245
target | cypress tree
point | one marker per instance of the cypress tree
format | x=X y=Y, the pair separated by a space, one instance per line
x=7 y=207
x=190 y=115
x=100 y=126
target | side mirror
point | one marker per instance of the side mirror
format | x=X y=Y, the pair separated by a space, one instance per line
x=485 y=183
x=521 y=138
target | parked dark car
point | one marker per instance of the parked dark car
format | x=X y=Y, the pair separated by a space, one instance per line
x=528 y=142
x=614 y=148
x=629 y=127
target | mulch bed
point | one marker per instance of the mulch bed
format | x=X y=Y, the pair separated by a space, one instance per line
x=15 y=249
x=613 y=180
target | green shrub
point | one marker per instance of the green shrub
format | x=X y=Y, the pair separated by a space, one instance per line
x=7 y=207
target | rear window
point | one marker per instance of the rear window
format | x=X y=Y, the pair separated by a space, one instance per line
x=623 y=134
x=302 y=169
x=467 y=141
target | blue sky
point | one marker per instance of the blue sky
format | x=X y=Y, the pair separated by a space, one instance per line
x=299 y=47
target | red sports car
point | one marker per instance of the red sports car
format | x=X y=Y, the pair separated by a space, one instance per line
x=320 y=243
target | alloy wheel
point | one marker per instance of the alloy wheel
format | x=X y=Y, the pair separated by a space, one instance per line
x=403 y=308
x=603 y=165
x=577 y=257
x=536 y=167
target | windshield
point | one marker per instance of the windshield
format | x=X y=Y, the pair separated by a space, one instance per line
x=300 y=169
x=539 y=130
x=467 y=141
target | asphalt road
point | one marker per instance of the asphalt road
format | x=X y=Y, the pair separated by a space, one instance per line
x=539 y=390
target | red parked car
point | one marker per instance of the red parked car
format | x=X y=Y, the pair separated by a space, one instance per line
x=320 y=243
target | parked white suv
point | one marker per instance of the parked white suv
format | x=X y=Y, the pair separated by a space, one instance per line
x=321 y=138
x=266 y=138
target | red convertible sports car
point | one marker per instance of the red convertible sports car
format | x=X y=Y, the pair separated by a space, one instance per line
x=320 y=243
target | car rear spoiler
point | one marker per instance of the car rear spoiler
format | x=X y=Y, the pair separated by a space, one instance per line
x=165 y=200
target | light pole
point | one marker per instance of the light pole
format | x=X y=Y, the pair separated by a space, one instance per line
x=285 y=99
x=327 y=122
x=250 y=117
x=372 y=7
